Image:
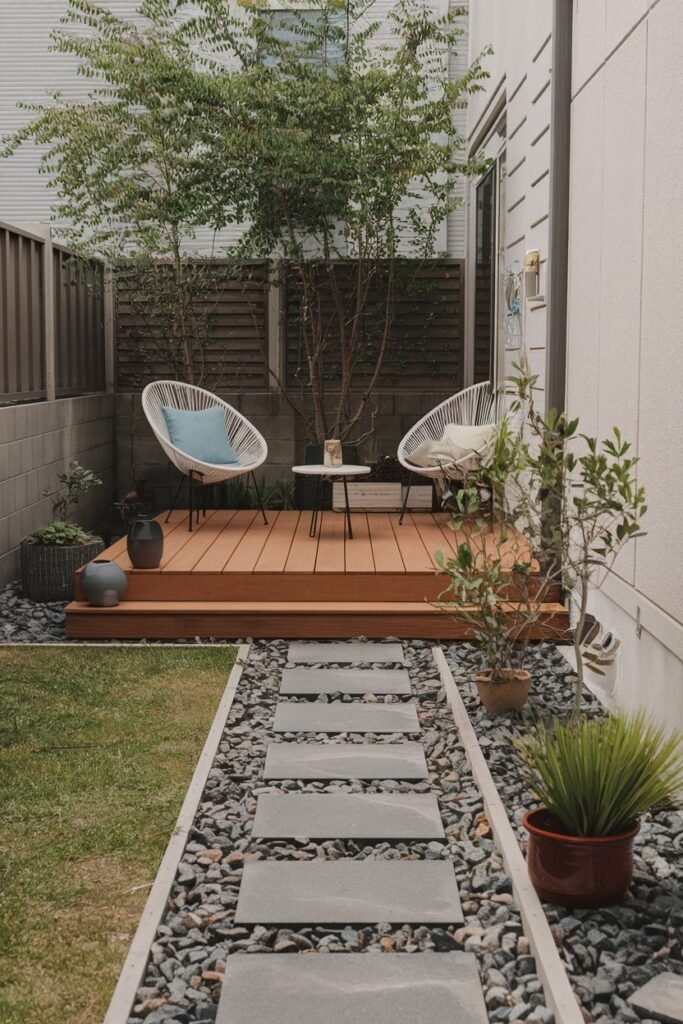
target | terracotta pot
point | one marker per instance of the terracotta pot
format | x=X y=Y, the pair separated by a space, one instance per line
x=506 y=689
x=577 y=871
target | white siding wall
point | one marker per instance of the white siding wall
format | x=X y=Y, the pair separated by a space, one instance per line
x=625 y=357
x=28 y=71
x=519 y=68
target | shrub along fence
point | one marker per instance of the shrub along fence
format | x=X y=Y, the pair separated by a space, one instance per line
x=53 y=312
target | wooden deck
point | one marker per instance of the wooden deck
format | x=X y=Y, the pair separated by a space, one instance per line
x=234 y=576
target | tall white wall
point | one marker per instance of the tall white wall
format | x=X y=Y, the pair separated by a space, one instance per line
x=28 y=71
x=625 y=353
x=519 y=84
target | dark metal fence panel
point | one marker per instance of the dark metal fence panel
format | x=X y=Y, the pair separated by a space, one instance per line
x=22 y=316
x=79 y=324
x=426 y=345
x=226 y=325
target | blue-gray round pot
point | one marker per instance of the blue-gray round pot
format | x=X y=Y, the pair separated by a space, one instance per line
x=103 y=583
x=145 y=543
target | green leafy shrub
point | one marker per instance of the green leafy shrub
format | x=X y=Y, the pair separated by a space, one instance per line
x=61 y=534
x=77 y=481
x=598 y=777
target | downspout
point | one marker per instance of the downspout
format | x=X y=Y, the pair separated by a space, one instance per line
x=558 y=245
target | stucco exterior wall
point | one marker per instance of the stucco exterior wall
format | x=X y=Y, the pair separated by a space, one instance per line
x=519 y=86
x=625 y=358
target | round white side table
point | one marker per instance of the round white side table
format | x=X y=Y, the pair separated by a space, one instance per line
x=322 y=472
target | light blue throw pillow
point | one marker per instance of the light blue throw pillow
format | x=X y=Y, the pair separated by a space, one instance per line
x=201 y=435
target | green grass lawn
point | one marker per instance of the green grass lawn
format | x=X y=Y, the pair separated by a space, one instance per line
x=97 y=748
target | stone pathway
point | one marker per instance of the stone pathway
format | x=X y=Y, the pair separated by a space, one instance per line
x=346 y=988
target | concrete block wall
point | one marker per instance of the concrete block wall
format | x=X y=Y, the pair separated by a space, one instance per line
x=139 y=456
x=37 y=441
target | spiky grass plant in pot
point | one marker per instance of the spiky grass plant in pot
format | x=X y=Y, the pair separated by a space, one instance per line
x=594 y=780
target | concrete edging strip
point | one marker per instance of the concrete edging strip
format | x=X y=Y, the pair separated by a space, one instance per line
x=130 y=978
x=556 y=984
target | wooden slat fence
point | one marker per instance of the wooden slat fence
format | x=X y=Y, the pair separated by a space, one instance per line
x=79 y=324
x=426 y=335
x=75 y=335
x=22 y=316
x=227 y=325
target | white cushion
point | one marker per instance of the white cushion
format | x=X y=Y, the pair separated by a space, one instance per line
x=458 y=441
x=469 y=437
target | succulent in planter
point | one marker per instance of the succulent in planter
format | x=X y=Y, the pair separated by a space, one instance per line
x=594 y=780
x=51 y=555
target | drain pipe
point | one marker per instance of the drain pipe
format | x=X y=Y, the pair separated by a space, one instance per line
x=560 y=121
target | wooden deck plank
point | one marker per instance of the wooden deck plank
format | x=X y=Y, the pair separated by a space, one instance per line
x=177 y=520
x=385 y=550
x=358 y=552
x=331 y=542
x=275 y=553
x=187 y=557
x=304 y=548
x=433 y=538
x=415 y=556
x=214 y=559
x=246 y=554
x=180 y=537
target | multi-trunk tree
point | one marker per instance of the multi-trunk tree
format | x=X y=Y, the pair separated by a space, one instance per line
x=328 y=139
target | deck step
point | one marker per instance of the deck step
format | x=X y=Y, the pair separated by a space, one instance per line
x=289 y=620
x=349 y=892
x=351 y=987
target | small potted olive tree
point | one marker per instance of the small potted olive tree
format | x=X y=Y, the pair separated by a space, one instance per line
x=594 y=780
x=493 y=586
x=51 y=554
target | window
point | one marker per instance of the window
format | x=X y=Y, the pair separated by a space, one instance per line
x=303 y=26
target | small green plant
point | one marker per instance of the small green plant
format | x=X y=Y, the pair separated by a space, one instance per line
x=77 y=481
x=61 y=534
x=598 y=777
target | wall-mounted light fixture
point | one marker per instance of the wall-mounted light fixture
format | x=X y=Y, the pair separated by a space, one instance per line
x=532 y=274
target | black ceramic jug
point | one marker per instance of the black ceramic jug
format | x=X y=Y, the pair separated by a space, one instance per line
x=145 y=543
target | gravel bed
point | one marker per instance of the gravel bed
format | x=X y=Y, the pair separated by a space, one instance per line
x=611 y=952
x=29 y=622
x=183 y=977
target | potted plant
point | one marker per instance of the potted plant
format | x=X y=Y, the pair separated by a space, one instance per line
x=594 y=780
x=481 y=588
x=492 y=586
x=51 y=554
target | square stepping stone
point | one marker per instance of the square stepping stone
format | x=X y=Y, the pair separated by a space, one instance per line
x=300 y=717
x=661 y=998
x=345 y=761
x=302 y=681
x=358 y=652
x=349 y=892
x=345 y=988
x=348 y=816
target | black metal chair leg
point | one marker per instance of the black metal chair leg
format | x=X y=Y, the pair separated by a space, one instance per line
x=191 y=502
x=348 y=510
x=405 y=500
x=259 y=499
x=175 y=499
x=314 y=512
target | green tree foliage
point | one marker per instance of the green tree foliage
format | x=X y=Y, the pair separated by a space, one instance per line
x=324 y=143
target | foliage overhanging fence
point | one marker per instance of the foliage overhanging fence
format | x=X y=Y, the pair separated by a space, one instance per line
x=52 y=329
